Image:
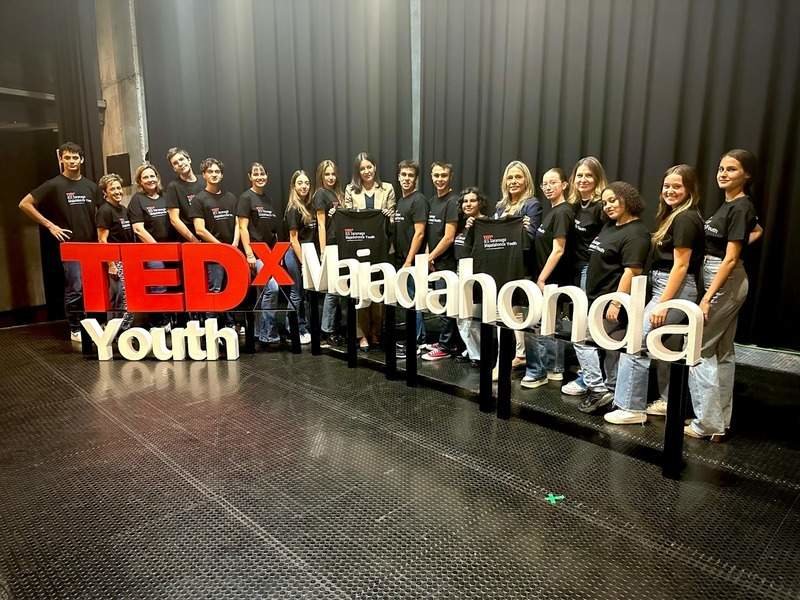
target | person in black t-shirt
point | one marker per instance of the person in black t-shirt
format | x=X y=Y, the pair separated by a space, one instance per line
x=410 y=219
x=213 y=213
x=586 y=183
x=114 y=226
x=440 y=233
x=677 y=250
x=728 y=232
x=327 y=198
x=517 y=199
x=147 y=211
x=302 y=226
x=616 y=256
x=553 y=260
x=65 y=206
x=181 y=192
x=260 y=220
x=473 y=206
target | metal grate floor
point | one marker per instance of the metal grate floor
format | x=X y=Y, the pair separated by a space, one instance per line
x=288 y=476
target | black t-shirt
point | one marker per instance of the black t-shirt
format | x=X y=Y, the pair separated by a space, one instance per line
x=615 y=248
x=324 y=199
x=440 y=212
x=410 y=210
x=558 y=222
x=180 y=194
x=70 y=204
x=219 y=213
x=153 y=213
x=464 y=240
x=498 y=249
x=263 y=216
x=588 y=223
x=732 y=222
x=115 y=219
x=686 y=231
x=362 y=229
x=306 y=232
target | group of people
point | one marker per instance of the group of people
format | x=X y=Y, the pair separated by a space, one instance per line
x=585 y=232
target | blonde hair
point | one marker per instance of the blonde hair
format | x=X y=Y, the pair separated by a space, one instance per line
x=600 y=180
x=337 y=189
x=666 y=215
x=303 y=207
x=138 y=177
x=505 y=207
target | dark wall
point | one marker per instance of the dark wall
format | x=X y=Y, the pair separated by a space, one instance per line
x=641 y=84
x=285 y=83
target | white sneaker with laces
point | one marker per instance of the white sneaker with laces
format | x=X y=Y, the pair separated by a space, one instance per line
x=75 y=336
x=531 y=383
x=621 y=416
x=657 y=408
x=305 y=338
x=573 y=388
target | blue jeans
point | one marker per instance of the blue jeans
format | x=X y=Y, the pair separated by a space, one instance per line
x=552 y=352
x=420 y=319
x=711 y=382
x=470 y=332
x=216 y=281
x=296 y=293
x=73 y=294
x=266 y=329
x=448 y=325
x=534 y=366
x=329 y=305
x=633 y=371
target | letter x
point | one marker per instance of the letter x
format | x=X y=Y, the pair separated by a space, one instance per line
x=271 y=258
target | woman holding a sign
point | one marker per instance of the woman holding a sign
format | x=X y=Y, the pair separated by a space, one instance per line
x=728 y=232
x=366 y=191
x=676 y=259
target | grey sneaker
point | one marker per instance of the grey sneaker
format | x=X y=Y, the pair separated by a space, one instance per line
x=595 y=400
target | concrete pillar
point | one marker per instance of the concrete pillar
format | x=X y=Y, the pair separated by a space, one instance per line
x=125 y=127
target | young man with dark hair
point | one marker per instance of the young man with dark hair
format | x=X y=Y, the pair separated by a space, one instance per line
x=440 y=231
x=410 y=219
x=65 y=205
x=213 y=213
x=181 y=192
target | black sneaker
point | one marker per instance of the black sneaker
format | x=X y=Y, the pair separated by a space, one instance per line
x=461 y=358
x=595 y=400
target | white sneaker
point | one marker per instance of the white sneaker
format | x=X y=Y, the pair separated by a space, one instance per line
x=658 y=408
x=305 y=338
x=531 y=383
x=573 y=388
x=555 y=376
x=625 y=417
x=75 y=336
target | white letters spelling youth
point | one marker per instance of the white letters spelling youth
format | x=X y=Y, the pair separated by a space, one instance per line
x=455 y=300
x=155 y=341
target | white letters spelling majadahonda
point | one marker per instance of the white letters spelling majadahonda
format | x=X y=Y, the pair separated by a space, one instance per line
x=455 y=300
x=155 y=341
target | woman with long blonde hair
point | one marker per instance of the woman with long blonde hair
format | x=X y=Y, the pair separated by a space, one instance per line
x=327 y=198
x=517 y=199
x=302 y=226
x=676 y=260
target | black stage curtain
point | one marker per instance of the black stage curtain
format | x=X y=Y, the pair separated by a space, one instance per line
x=73 y=37
x=643 y=85
x=285 y=83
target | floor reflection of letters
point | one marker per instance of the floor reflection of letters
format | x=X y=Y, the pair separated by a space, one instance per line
x=198 y=380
